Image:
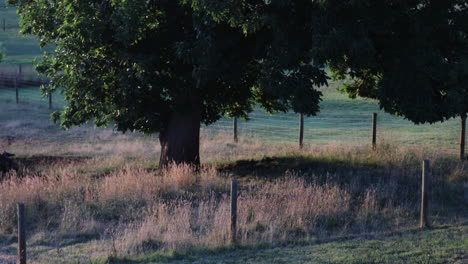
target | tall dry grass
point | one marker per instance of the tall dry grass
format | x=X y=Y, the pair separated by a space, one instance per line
x=283 y=210
x=337 y=189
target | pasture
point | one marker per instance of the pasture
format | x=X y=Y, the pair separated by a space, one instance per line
x=94 y=195
x=341 y=120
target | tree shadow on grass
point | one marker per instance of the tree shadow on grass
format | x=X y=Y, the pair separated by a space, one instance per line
x=48 y=160
x=34 y=165
x=273 y=167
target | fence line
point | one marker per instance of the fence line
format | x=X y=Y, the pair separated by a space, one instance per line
x=325 y=127
x=19 y=76
x=354 y=128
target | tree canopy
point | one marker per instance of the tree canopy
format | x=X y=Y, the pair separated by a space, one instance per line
x=137 y=63
x=129 y=62
x=410 y=55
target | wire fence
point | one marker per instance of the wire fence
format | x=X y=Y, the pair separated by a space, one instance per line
x=8 y=18
x=340 y=119
x=15 y=76
x=9 y=25
x=352 y=126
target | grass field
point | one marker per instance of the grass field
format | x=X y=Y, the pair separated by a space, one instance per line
x=444 y=244
x=94 y=195
x=340 y=120
x=344 y=120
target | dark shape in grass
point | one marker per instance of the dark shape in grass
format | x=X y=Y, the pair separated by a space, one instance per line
x=7 y=164
x=34 y=161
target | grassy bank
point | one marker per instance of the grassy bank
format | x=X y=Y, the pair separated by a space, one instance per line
x=443 y=244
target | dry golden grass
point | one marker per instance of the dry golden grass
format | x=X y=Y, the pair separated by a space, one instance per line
x=316 y=192
x=280 y=211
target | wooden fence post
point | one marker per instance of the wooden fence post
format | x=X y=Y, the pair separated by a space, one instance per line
x=463 y=137
x=236 y=139
x=424 y=222
x=301 y=130
x=16 y=90
x=374 y=131
x=50 y=100
x=234 y=211
x=21 y=235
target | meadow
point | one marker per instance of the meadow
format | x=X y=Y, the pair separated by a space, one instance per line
x=340 y=120
x=95 y=195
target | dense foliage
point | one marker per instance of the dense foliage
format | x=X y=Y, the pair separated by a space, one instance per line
x=134 y=62
x=410 y=55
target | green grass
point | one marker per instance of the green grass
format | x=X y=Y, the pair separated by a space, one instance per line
x=342 y=119
x=443 y=244
x=9 y=14
x=32 y=96
x=18 y=48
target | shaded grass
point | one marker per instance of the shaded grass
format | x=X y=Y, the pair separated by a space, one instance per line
x=363 y=172
x=343 y=120
x=18 y=48
x=32 y=96
x=272 y=167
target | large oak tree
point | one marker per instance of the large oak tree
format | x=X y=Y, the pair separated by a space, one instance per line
x=166 y=66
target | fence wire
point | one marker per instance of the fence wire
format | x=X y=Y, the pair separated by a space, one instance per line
x=351 y=127
x=334 y=123
x=8 y=18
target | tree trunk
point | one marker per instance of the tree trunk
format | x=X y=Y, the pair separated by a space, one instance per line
x=180 y=140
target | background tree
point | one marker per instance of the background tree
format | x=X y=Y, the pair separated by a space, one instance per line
x=166 y=66
x=412 y=56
